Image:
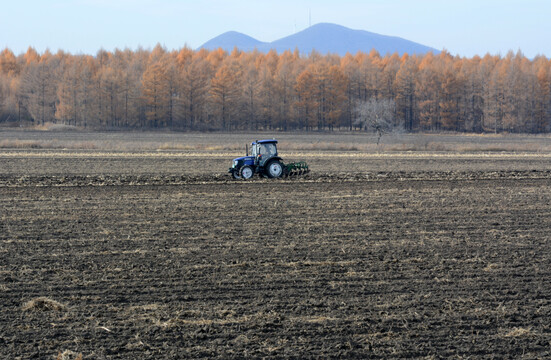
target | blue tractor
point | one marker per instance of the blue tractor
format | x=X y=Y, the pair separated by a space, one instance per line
x=265 y=161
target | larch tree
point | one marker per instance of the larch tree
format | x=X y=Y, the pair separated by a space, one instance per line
x=195 y=76
x=511 y=106
x=173 y=90
x=134 y=106
x=371 y=70
x=494 y=99
x=250 y=95
x=319 y=91
x=39 y=89
x=268 y=102
x=155 y=93
x=9 y=81
x=8 y=63
x=86 y=90
x=472 y=105
x=351 y=69
x=31 y=56
x=68 y=109
x=427 y=93
x=111 y=79
x=284 y=87
x=336 y=98
x=306 y=105
x=390 y=67
x=405 y=93
x=225 y=92
x=542 y=109
x=450 y=97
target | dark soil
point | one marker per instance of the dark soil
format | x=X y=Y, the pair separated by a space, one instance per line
x=376 y=264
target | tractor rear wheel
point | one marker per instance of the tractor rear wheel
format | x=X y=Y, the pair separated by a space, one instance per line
x=274 y=169
x=246 y=172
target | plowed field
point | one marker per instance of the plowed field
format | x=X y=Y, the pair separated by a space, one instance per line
x=135 y=256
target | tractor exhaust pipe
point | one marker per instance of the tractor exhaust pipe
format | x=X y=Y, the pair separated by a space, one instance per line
x=246 y=150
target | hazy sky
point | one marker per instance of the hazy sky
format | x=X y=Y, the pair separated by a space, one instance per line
x=463 y=27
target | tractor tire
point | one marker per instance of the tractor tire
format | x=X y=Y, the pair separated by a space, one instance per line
x=235 y=175
x=246 y=172
x=274 y=169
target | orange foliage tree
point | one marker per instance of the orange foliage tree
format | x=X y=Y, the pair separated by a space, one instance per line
x=200 y=90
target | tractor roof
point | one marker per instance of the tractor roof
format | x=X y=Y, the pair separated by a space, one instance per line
x=272 y=141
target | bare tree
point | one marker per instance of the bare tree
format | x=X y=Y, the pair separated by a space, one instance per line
x=376 y=115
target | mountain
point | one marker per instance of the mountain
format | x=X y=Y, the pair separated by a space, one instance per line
x=232 y=39
x=324 y=38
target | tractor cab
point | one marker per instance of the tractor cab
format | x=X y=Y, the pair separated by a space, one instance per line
x=263 y=150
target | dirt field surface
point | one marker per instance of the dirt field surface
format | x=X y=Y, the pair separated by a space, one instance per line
x=140 y=254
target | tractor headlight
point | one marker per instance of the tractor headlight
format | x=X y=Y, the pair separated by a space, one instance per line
x=235 y=163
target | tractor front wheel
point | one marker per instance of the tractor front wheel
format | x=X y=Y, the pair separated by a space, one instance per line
x=246 y=172
x=235 y=175
x=274 y=169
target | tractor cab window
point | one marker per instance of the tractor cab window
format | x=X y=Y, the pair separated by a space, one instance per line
x=268 y=150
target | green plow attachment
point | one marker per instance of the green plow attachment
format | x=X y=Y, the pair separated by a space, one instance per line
x=296 y=169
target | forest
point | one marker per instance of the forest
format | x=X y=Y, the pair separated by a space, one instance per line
x=200 y=90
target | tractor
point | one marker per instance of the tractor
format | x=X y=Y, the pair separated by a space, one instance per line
x=265 y=161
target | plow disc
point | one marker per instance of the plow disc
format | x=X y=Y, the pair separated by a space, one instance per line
x=295 y=169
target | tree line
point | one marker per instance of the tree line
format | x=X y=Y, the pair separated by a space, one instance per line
x=215 y=90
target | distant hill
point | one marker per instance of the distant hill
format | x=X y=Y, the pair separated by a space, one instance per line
x=324 y=38
x=231 y=39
